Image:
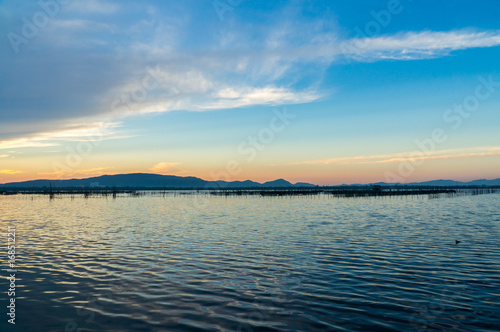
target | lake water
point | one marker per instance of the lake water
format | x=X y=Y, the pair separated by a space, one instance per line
x=200 y=263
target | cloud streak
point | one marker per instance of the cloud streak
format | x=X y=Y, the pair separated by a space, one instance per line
x=82 y=173
x=89 y=133
x=478 y=152
x=10 y=171
x=417 y=45
x=167 y=168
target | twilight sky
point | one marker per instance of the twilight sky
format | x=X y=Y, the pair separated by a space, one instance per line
x=327 y=92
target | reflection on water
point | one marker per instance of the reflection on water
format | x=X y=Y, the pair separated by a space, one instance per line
x=254 y=264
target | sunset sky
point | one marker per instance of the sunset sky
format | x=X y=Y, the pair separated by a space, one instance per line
x=327 y=92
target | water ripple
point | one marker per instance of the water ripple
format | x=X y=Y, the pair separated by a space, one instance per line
x=256 y=264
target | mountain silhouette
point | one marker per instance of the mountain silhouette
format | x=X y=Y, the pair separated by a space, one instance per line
x=145 y=180
x=158 y=181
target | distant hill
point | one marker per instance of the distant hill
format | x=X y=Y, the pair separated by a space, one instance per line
x=483 y=182
x=438 y=183
x=277 y=183
x=447 y=183
x=303 y=184
x=145 y=180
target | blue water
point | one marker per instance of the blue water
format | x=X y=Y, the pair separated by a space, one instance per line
x=201 y=263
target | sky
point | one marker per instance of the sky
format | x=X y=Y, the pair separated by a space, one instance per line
x=325 y=92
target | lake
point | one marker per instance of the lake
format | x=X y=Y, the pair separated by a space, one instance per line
x=203 y=263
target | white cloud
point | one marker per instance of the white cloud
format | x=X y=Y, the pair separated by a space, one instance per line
x=478 y=152
x=167 y=168
x=90 y=133
x=24 y=143
x=69 y=174
x=93 y=6
x=197 y=83
x=415 y=45
x=232 y=98
x=10 y=171
x=78 y=25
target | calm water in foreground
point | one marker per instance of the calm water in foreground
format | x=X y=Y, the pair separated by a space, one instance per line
x=190 y=263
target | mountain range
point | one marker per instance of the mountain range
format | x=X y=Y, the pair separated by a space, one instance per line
x=145 y=180
x=482 y=182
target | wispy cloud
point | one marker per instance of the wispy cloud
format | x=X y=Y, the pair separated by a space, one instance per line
x=78 y=173
x=93 y=132
x=93 y=6
x=166 y=168
x=10 y=171
x=416 y=45
x=24 y=143
x=232 y=98
x=409 y=45
x=79 y=25
x=91 y=172
x=478 y=152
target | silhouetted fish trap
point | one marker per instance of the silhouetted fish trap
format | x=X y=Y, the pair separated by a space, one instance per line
x=353 y=191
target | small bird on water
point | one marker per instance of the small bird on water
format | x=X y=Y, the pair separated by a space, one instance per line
x=457 y=242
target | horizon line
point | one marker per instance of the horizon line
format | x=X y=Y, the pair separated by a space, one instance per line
x=192 y=176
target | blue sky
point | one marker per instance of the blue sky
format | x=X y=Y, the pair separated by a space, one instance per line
x=188 y=88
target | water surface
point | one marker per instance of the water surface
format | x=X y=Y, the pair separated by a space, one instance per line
x=201 y=263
